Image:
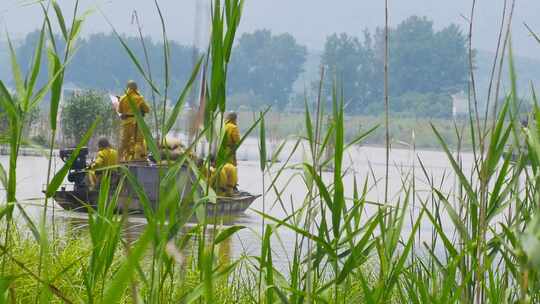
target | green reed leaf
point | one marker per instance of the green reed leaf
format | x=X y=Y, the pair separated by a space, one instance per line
x=182 y=98
x=56 y=81
x=115 y=289
x=457 y=170
x=60 y=18
x=262 y=144
x=16 y=70
x=3 y=177
x=36 y=66
x=227 y=233
x=145 y=130
x=133 y=58
x=8 y=104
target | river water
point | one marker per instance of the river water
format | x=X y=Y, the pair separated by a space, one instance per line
x=361 y=162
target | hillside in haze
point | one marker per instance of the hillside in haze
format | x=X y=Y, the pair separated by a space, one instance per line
x=310 y=21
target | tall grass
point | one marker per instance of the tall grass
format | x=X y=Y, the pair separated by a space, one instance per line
x=483 y=243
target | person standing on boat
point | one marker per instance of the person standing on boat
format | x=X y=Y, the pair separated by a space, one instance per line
x=106 y=157
x=132 y=145
x=232 y=137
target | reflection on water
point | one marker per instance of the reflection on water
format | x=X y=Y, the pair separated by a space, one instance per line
x=361 y=162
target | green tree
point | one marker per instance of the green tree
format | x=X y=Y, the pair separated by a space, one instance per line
x=426 y=67
x=425 y=61
x=431 y=105
x=353 y=64
x=267 y=66
x=452 y=54
x=79 y=112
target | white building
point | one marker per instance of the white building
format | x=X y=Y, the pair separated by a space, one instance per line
x=460 y=104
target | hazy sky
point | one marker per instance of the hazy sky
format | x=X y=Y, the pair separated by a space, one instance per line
x=310 y=21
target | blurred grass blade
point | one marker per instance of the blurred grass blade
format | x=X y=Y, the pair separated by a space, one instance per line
x=321 y=242
x=358 y=254
x=36 y=66
x=262 y=143
x=266 y=256
x=233 y=14
x=3 y=177
x=361 y=137
x=8 y=104
x=16 y=70
x=225 y=234
x=76 y=29
x=143 y=197
x=454 y=216
x=182 y=99
x=56 y=87
x=457 y=169
x=30 y=223
x=535 y=36
x=133 y=58
x=198 y=291
x=338 y=203
x=253 y=126
x=145 y=130
x=116 y=288
x=60 y=18
x=5 y=285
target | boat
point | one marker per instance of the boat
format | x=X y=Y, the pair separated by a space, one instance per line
x=78 y=201
x=79 y=197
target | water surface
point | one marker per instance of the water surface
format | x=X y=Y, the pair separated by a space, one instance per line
x=360 y=162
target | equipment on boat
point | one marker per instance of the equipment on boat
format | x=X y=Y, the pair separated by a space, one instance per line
x=77 y=174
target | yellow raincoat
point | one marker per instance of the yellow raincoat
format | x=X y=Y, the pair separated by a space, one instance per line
x=132 y=145
x=105 y=158
x=226 y=181
x=232 y=139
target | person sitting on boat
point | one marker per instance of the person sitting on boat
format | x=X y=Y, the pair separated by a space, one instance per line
x=106 y=157
x=232 y=137
x=132 y=145
x=227 y=181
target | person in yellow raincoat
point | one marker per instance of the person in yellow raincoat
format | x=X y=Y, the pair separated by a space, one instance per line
x=232 y=137
x=226 y=181
x=106 y=157
x=132 y=145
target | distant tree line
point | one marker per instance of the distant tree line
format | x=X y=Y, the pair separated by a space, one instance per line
x=426 y=67
x=266 y=67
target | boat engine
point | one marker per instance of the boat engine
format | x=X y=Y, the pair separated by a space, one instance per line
x=77 y=173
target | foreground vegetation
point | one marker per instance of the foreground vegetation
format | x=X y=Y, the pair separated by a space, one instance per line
x=487 y=251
